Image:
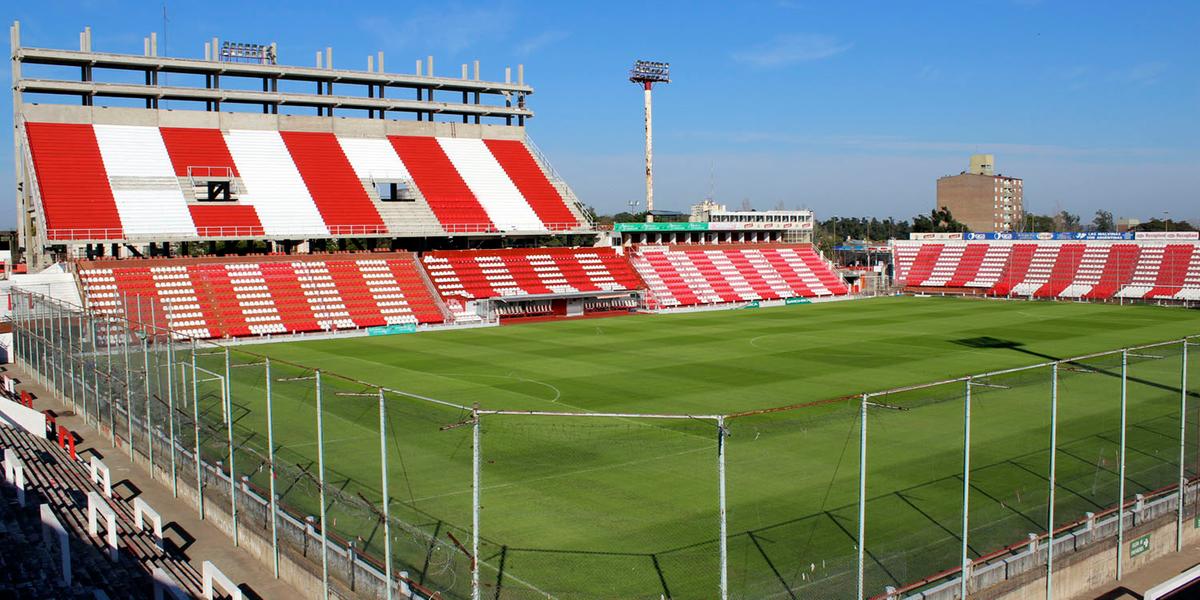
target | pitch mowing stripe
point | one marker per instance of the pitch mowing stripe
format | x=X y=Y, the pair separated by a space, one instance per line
x=656 y=363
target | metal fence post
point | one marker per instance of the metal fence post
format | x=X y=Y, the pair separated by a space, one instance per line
x=171 y=414
x=112 y=423
x=722 y=545
x=227 y=402
x=1050 y=504
x=196 y=434
x=271 y=466
x=383 y=476
x=321 y=491
x=69 y=356
x=1183 y=394
x=966 y=493
x=1121 y=467
x=128 y=389
x=475 y=482
x=83 y=367
x=55 y=378
x=18 y=328
x=149 y=427
x=862 y=494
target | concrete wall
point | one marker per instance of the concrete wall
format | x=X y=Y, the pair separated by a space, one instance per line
x=1084 y=559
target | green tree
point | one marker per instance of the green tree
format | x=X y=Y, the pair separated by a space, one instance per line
x=1065 y=221
x=1103 y=221
x=1165 y=225
x=1039 y=222
x=940 y=220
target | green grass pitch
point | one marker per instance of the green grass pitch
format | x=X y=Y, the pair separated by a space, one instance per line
x=627 y=508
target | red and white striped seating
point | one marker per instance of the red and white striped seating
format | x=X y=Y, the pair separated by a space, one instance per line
x=472 y=274
x=112 y=182
x=683 y=275
x=1053 y=269
x=213 y=297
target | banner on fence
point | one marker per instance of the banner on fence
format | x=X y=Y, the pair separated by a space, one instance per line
x=392 y=329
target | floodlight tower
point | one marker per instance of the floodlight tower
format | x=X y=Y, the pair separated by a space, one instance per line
x=648 y=73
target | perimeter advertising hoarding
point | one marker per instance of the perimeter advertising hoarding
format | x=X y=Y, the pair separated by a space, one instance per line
x=660 y=226
x=705 y=226
x=1033 y=236
x=738 y=226
x=392 y=329
x=1168 y=235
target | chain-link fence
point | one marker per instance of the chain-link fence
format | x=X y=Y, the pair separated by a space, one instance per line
x=383 y=493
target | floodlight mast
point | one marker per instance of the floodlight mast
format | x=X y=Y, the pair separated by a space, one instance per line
x=648 y=73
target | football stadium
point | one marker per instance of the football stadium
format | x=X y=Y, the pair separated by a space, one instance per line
x=357 y=322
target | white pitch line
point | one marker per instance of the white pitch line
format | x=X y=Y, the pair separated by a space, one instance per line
x=327 y=442
x=557 y=392
x=565 y=474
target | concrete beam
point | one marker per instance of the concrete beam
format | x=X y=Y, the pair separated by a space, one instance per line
x=124 y=90
x=133 y=62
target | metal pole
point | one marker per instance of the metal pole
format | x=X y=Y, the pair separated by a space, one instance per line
x=1053 y=453
x=966 y=494
x=149 y=426
x=475 y=483
x=271 y=466
x=196 y=434
x=128 y=390
x=383 y=476
x=171 y=414
x=18 y=328
x=70 y=357
x=55 y=375
x=649 y=155
x=723 y=545
x=321 y=482
x=112 y=423
x=1183 y=393
x=862 y=494
x=227 y=402
x=1121 y=468
x=95 y=353
x=83 y=367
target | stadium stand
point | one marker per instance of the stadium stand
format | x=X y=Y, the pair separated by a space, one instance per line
x=63 y=484
x=477 y=274
x=230 y=297
x=114 y=182
x=1093 y=270
x=682 y=275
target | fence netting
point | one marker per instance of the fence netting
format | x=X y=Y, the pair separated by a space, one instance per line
x=1087 y=459
x=585 y=507
x=793 y=496
x=576 y=505
x=913 y=500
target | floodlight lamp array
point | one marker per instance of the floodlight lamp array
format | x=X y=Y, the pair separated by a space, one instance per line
x=245 y=52
x=650 y=71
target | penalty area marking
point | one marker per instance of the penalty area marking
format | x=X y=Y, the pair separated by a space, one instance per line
x=557 y=392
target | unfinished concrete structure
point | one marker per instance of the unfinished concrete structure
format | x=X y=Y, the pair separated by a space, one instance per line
x=106 y=165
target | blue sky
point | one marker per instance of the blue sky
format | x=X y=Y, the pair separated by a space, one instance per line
x=848 y=108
